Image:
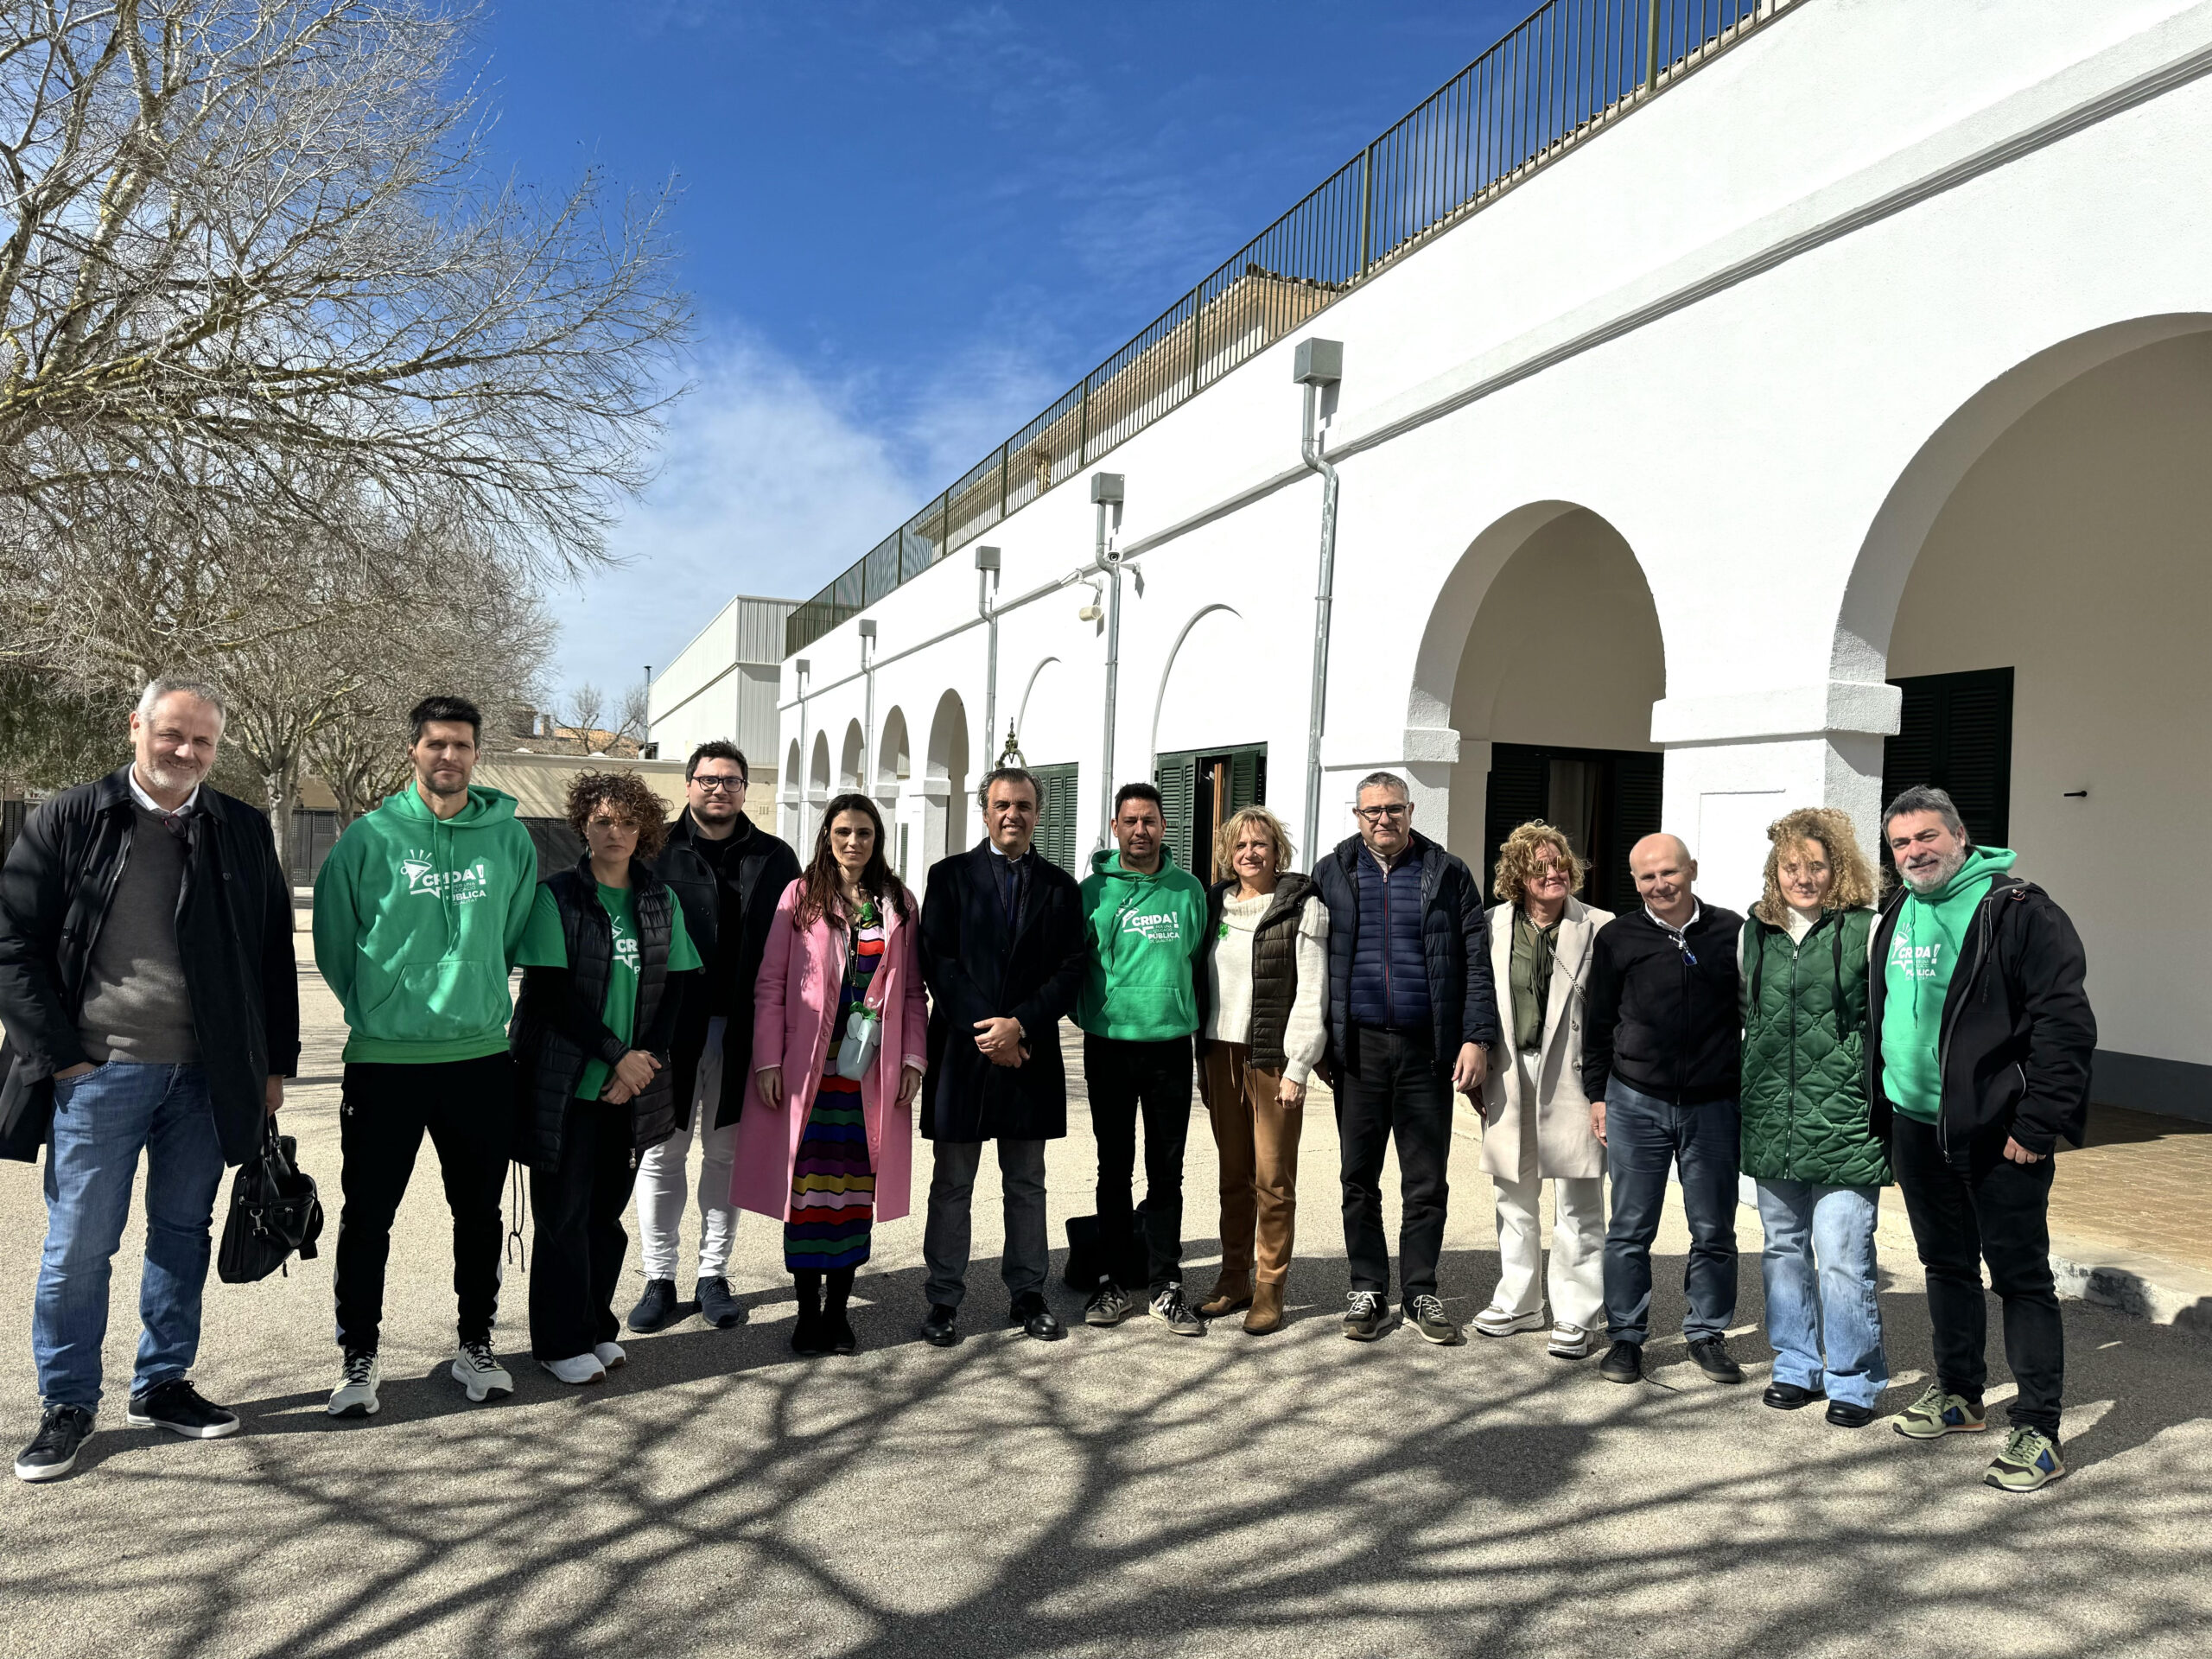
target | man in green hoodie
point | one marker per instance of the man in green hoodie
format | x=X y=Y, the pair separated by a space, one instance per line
x=1981 y=1063
x=419 y=911
x=1145 y=922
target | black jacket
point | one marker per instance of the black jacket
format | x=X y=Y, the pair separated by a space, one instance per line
x=234 y=935
x=1455 y=948
x=972 y=975
x=557 y=1028
x=756 y=868
x=2016 y=1034
x=1664 y=1025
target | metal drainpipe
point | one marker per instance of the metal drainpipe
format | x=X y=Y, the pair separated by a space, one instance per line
x=867 y=730
x=987 y=589
x=1106 y=490
x=1316 y=368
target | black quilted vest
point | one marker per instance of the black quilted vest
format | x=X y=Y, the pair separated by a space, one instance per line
x=551 y=1062
x=1275 y=964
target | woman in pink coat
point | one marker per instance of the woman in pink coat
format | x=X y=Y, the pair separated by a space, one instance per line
x=839 y=1028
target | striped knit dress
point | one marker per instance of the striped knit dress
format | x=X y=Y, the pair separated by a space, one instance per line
x=833 y=1184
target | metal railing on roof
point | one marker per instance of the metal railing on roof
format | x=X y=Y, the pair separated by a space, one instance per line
x=1568 y=71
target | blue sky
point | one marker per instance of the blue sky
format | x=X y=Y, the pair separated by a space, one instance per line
x=906 y=228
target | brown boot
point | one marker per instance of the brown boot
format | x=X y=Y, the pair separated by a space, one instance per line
x=1226 y=1298
x=1267 y=1311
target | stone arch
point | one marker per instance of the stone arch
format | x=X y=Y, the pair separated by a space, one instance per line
x=817 y=791
x=791 y=796
x=893 y=762
x=852 y=759
x=944 y=784
x=1222 y=631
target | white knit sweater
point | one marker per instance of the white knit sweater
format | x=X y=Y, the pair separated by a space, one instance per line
x=1228 y=1012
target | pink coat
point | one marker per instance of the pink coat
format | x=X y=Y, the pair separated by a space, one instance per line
x=794 y=1005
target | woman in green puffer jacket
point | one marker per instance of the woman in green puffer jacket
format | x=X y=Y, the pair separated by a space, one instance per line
x=1808 y=1143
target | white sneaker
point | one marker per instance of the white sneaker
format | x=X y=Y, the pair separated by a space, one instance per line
x=578 y=1369
x=610 y=1354
x=1572 y=1341
x=478 y=1371
x=356 y=1393
x=1495 y=1321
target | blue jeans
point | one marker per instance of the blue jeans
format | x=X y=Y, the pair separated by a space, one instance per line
x=1819 y=1268
x=102 y=1122
x=1643 y=1137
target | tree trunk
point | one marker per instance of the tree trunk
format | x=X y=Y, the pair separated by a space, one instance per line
x=281 y=783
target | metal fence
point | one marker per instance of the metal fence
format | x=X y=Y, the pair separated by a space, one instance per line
x=1572 y=67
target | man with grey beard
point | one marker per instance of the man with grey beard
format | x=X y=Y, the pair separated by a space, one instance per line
x=1979 y=1060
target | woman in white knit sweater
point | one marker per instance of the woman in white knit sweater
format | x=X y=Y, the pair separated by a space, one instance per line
x=1262 y=981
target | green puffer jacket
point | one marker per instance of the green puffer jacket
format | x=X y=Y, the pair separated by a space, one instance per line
x=1804 y=1089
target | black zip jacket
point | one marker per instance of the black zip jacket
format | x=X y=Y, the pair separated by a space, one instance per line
x=233 y=934
x=731 y=914
x=558 y=1029
x=2016 y=1035
x=1455 y=948
x=1658 y=1022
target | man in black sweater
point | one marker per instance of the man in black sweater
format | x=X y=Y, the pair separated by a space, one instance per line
x=1660 y=1054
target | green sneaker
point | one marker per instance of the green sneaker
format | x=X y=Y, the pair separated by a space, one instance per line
x=2028 y=1463
x=1936 y=1414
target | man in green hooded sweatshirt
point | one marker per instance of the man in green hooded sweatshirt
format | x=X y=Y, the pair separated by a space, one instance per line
x=419 y=911
x=1145 y=922
x=1982 y=1062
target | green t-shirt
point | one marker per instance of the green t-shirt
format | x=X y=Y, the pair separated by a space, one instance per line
x=544 y=946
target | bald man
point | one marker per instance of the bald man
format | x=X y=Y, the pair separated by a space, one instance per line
x=1659 y=1053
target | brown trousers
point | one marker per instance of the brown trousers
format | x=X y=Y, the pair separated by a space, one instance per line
x=1258 y=1139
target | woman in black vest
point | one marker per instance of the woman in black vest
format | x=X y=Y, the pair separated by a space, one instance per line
x=1262 y=979
x=590 y=1041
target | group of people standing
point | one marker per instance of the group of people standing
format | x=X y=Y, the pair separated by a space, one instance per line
x=692 y=982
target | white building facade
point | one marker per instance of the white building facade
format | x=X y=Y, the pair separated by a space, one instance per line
x=1845 y=403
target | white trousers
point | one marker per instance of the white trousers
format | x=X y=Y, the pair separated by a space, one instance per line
x=1577 y=1279
x=661 y=1172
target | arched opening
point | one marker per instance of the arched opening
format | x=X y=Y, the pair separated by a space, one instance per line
x=944 y=784
x=851 y=759
x=1209 y=759
x=817 y=793
x=1052 y=739
x=791 y=798
x=2047 y=639
x=1552 y=682
x=893 y=765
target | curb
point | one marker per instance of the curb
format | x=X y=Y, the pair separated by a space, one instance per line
x=2145 y=1287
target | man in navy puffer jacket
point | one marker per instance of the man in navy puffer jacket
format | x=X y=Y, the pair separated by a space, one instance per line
x=1411 y=1015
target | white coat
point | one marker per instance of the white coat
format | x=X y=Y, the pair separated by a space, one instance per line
x=1565 y=1146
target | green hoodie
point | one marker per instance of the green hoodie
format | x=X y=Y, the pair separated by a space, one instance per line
x=416 y=922
x=1143 y=931
x=1923 y=952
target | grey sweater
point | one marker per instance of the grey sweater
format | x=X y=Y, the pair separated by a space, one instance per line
x=137 y=1006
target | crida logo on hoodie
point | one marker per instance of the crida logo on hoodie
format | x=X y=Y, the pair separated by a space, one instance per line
x=464 y=886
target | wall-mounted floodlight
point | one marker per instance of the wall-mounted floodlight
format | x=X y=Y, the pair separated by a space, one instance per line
x=1319 y=363
x=987 y=558
x=1106 y=489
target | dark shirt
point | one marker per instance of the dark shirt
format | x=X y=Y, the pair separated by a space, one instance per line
x=722 y=972
x=1013 y=878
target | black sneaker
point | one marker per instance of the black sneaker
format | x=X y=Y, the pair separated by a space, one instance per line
x=657 y=1309
x=1110 y=1305
x=938 y=1326
x=53 y=1451
x=1426 y=1314
x=1172 y=1310
x=1623 y=1363
x=716 y=1306
x=1365 y=1315
x=176 y=1405
x=1712 y=1357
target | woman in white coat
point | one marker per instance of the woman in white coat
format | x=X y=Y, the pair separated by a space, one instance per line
x=1536 y=1118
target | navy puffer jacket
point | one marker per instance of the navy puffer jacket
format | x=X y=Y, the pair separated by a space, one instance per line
x=1455 y=949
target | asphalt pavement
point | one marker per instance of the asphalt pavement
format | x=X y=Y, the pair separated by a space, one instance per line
x=1120 y=1492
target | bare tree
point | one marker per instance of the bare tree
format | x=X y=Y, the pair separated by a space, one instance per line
x=637 y=721
x=587 y=707
x=248 y=236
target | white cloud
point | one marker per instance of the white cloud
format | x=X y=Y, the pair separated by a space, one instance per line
x=770 y=484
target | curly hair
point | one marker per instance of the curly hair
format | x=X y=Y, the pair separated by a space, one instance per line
x=1829 y=829
x=628 y=797
x=1233 y=829
x=1517 y=859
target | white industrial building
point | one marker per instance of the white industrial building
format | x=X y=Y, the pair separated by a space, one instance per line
x=722 y=685
x=1774 y=402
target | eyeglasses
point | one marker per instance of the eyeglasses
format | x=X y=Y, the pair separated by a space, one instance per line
x=712 y=781
x=1377 y=814
x=602 y=822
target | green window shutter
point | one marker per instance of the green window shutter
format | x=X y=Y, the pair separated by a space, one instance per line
x=1056 y=818
x=1248 y=778
x=1176 y=777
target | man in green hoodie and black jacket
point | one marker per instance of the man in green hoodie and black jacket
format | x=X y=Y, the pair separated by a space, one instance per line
x=419 y=911
x=1145 y=922
x=1981 y=1063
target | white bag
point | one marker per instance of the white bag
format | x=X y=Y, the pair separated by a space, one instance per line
x=863 y=1036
